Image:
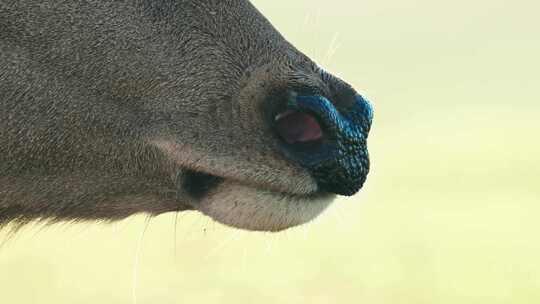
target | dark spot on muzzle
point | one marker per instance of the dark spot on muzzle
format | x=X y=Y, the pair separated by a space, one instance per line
x=197 y=184
x=338 y=158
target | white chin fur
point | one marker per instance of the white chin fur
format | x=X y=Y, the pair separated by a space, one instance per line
x=250 y=208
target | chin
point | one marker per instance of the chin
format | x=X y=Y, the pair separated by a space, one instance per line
x=249 y=208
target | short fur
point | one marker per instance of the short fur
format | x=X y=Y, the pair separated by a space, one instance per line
x=111 y=108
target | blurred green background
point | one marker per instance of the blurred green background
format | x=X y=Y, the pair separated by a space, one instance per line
x=450 y=213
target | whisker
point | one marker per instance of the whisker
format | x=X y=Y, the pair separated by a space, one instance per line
x=269 y=245
x=235 y=236
x=340 y=215
x=333 y=47
x=138 y=253
x=175 y=232
x=306 y=231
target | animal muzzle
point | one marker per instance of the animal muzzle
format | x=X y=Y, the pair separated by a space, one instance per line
x=330 y=143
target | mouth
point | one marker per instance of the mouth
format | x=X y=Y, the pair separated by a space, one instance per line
x=250 y=207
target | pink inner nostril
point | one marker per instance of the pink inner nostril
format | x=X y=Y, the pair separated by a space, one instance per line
x=297 y=127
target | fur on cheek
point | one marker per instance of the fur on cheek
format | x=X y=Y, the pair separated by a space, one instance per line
x=250 y=208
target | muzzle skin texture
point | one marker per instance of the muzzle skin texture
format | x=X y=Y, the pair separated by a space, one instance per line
x=338 y=161
x=341 y=164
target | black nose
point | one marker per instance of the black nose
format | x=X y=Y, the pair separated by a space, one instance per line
x=330 y=143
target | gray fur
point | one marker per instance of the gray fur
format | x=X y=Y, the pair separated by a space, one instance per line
x=107 y=107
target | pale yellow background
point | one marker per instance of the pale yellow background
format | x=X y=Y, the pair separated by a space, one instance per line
x=450 y=213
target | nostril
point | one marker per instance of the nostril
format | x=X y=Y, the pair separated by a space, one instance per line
x=298 y=127
x=329 y=141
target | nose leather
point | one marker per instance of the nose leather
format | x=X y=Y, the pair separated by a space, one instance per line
x=341 y=164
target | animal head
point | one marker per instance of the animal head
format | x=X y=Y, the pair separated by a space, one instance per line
x=111 y=108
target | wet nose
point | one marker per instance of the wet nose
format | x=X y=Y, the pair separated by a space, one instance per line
x=330 y=143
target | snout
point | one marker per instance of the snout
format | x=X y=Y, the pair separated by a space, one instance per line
x=329 y=141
